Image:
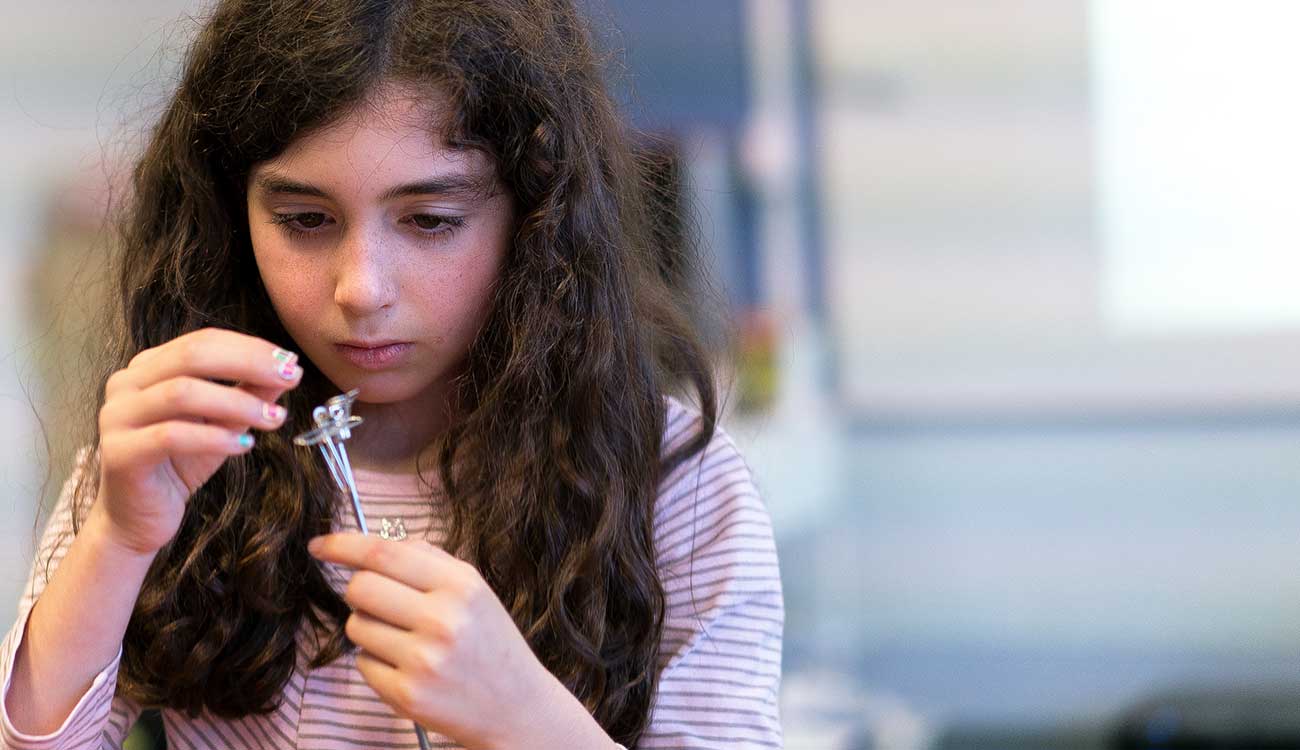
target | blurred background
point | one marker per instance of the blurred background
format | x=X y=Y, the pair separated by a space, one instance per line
x=1013 y=289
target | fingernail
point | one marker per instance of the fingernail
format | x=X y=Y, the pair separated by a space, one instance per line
x=245 y=441
x=272 y=412
x=284 y=355
x=289 y=370
x=314 y=545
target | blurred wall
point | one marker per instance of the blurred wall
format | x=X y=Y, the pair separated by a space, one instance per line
x=1052 y=506
x=80 y=81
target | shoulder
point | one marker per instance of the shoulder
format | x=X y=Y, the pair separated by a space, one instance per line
x=720 y=652
x=708 y=510
x=720 y=459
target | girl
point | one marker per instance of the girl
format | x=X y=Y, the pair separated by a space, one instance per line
x=431 y=201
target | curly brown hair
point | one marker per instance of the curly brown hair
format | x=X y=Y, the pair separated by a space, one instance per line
x=554 y=458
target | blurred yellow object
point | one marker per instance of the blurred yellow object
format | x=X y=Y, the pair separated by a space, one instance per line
x=68 y=290
x=757 y=366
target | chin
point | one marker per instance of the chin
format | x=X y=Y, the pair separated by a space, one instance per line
x=386 y=387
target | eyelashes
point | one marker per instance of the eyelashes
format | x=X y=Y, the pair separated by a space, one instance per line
x=310 y=224
x=286 y=223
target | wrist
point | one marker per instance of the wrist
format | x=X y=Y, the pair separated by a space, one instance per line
x=99 y=532
x=559 y=719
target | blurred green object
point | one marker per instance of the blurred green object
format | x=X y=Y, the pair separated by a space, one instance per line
x=147 y=734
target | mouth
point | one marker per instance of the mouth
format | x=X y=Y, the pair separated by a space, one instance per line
x=376 y=355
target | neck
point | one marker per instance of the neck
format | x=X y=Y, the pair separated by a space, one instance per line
x=394 y=435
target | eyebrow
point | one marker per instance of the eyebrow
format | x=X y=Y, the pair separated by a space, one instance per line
x=451 y=186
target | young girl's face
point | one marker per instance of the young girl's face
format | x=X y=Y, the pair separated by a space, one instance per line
x=373 y=232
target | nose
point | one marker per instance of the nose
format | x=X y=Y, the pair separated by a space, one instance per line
x=365 y=276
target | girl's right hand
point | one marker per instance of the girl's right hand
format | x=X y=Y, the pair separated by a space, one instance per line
x=165 y=427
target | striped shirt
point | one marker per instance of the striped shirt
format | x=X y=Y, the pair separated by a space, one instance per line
x=719 y=666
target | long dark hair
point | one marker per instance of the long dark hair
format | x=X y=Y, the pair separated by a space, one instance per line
x=555 y=455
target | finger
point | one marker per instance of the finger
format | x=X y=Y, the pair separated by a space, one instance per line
x=216 y=353
x=416 y=564
x=173 y=438
x=269 y=396
x=265 y=393
x=387 y=682
x=209 y=337
x=196 y=400
x=386 y=599
x=379 y=639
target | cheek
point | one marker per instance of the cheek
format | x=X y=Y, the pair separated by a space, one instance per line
x=288 y=282
x=455 y=298
x=479 y=283
x=467 y=284
x=296 y=302
x=456 y=301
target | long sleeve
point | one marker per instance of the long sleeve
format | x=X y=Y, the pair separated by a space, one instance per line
x=99 y=720
x=720 y=665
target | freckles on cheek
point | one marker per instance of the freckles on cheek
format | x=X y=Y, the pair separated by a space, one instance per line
x=290 y=282
x=296 y=290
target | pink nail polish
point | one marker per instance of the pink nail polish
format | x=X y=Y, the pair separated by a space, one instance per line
x=289 y=371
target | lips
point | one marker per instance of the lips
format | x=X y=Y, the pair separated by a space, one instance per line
x=369 y=344
x=374 y=355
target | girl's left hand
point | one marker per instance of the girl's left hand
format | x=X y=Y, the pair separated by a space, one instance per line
x=437 y=645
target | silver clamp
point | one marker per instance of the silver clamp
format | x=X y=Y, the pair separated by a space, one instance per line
x=334 y=424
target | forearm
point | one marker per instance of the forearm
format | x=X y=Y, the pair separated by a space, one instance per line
x=75 y=629
x=560 y=720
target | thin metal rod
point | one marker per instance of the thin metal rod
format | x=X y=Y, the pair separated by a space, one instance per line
x=347 y=467
x=350 y=485
x=342 y=473
x=336 y=458
x=329 y=461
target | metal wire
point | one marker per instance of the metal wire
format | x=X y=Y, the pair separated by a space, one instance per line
x=334 y=423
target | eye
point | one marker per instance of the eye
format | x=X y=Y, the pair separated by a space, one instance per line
x=433 y=224
x=311 y=221
x=300 y=224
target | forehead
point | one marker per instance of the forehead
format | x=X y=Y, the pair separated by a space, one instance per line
x=397 y=133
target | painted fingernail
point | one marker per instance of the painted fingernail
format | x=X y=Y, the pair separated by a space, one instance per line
x=289 y=370
x=272 y=412
x=245 y=441
x=284 y=355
